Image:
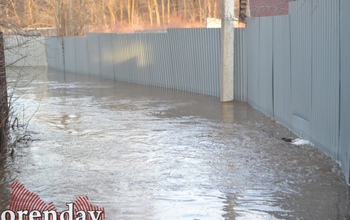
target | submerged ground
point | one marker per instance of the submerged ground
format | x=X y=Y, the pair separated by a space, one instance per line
x=150 y=153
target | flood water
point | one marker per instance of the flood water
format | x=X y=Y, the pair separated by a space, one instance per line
x=151 y=153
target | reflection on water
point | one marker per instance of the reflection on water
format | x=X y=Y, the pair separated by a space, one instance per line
x=151 y=153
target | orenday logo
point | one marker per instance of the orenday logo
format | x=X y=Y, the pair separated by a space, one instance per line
x=26 y=205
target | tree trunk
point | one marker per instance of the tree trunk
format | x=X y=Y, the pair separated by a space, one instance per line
x=133 y=12
x=168 y=11
x=4 y=109
x=121 y=11
x=129 y=11
x=62 y=19
x=71 y=25
x=157 y=11
x=185 y=11
x=163 y=12
x=150 y=12
x=111 y=12
x=14 y=11
x=209 y=9
x=215 y=9
x=177 y=7
x=57 y=18
x=200 y=11
x=29 y=19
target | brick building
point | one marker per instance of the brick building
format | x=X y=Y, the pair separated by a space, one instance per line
x=261 y=8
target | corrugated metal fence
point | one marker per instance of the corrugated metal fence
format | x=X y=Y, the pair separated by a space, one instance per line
x=295 y=68
x=344 y=137
x=298 y=72
x=25 y=50
x=183 y=59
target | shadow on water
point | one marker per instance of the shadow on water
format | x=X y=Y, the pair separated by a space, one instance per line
x=151 y=153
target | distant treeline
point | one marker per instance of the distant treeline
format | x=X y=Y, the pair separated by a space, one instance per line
x=76 y=17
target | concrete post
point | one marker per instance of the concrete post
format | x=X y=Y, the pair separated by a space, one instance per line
x=227 y=42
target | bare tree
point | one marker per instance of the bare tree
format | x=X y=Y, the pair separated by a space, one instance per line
x=10 y=29
x=76 y=17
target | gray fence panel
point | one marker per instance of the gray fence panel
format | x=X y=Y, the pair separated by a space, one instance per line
x=240 y=65
x=82 y=56
x=206 y=75
x=106 y=56
x=135 y=49
x=52 y=52
x=180 y=60
x=25 y=51
x=344 y=142
x=14 y=54
x=215 y=52
x=325 y=75
x=173 y=76
x=118 y=57
x=158 y=63
x=265 y=66
x=181 y=64
x=60 y=56
x=203 y=61
x=93 y=46
x=148 y=60
x=36 y=55
x=145 y=59
x=301 y=68
x=196 y=76
x=188 y=76
x=125 y=56
x=253 y=39
x=69 y=54
x=281 y=70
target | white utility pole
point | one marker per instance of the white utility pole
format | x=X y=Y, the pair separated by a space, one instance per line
x=227 y=42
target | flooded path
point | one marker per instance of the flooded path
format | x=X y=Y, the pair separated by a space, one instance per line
x=150 y=153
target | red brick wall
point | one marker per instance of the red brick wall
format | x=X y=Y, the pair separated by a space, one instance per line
x=260 y=8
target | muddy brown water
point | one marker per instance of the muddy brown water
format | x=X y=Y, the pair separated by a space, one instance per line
x=151 y=153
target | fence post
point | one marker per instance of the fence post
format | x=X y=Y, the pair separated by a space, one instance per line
x=227 y=48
